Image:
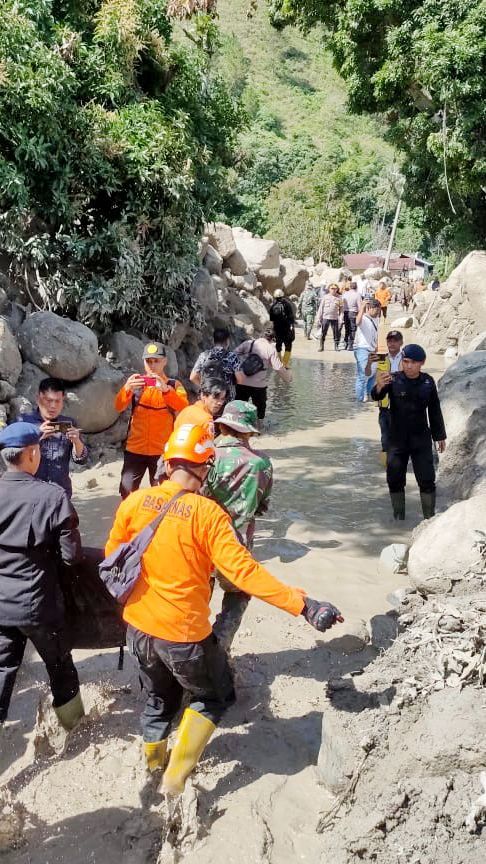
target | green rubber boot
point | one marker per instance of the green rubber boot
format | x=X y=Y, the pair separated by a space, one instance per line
x=398 y=504
x=427 y=500
x=70 y=714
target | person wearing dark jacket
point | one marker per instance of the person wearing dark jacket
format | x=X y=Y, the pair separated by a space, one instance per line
x=415 y=421
x=38 y=535
x=282 y=317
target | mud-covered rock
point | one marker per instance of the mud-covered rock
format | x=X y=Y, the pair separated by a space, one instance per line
x=62 y=348
x=91 y=403
x=449 y=551
x=295 y=275
x=462 y=391
x=10 y=359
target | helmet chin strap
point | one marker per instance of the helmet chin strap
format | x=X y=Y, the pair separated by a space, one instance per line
x=190 y=471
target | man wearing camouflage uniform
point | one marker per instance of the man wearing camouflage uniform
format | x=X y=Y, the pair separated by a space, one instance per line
x=307 y=308
x=241 y=482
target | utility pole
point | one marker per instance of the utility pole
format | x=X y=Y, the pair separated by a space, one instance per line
x=393 y=232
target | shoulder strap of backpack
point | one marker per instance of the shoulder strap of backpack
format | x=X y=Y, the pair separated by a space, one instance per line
x=145 y=537
x=251 y=347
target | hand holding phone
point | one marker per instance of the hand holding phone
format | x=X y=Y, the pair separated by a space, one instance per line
x=149 y=380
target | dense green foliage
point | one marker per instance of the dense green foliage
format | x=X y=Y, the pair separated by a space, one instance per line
x=421 y=64
x=115 y=143
x=317 y=178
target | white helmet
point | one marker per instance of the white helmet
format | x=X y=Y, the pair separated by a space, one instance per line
x=278 y=293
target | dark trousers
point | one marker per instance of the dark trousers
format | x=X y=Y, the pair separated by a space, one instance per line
x=384 y=310
x=258 y=396
x=384 y=421
x=51 y=647
x=423 y=466
x=167 y=669
x=134 y=467
x=349 y=328
x=283 y=337
x=335 y=330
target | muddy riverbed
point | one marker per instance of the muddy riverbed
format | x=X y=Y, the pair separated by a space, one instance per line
x=255 y=796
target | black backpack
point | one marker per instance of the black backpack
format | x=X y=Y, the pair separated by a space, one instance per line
x=214 y=367
x=279 y=311
x=253 y=363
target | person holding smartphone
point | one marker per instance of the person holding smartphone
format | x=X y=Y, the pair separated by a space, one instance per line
x=389 y=361
x=155 y=400
x=415 y=422
x=60 y=439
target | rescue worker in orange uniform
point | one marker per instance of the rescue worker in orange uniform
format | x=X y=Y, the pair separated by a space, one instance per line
x=167 y=613
x=155 y=401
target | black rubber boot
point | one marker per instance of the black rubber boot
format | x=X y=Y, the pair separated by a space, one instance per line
x=398 y=504
x=427 y=499
x=321 y=345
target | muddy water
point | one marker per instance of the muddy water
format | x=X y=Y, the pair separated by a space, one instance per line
x=321 y=391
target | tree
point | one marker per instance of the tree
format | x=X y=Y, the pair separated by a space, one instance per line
x=422 y=65
x=115 y=144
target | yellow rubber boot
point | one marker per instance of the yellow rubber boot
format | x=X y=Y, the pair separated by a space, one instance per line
x=155 y=753
x=71 y=712
x=192 y=736
x=286 y=358
x=383 y=458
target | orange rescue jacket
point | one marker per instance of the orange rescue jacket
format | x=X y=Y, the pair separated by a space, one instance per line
x=196 y=415
x=152 y=417
x=171 y=598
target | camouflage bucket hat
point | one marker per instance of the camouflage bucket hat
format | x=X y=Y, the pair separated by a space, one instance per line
x=240 y=416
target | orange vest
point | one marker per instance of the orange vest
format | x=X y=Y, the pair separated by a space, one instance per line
x=152 y=417
x=196 y=415
x=171 y=598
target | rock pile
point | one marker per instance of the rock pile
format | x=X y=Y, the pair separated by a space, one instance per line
x=456 y=319
x=233 y=286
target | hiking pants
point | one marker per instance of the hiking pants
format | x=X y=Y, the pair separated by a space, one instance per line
x=308 y=323
x=334 y=324
x=283 y=337
x=167 y=669
x=422 y=462
x=134 y=467
x=51 y=647
x=349 y=328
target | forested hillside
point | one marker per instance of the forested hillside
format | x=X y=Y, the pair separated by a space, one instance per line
x=318 y=179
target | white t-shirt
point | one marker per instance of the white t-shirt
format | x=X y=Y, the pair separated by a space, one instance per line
x=367 y=334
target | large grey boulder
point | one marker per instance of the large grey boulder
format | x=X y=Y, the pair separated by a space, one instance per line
x=259 y=254
x=28 y=383
x=458 y=313
x=126 y=351
x=203 y=290
x=470 y=279
x=7 y=391
x=462 y=391
x=257 y=310
x=213 y=262
x=295 y=275
x=91 y=402
x=478 y=343
x=449 y=551
x=236 y=263
x=221 y=238
x=63 y=348
x=10 y=359
x=271 y=280
x=247 y=282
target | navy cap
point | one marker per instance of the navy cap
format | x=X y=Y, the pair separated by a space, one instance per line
x=19 y=435
x=414 y=352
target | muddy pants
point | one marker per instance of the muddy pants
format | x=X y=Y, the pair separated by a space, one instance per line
x=51 y=647
x=167 y=669
x=134 y=467
x=422 y=462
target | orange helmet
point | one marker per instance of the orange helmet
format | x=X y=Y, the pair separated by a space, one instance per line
x=190 y=443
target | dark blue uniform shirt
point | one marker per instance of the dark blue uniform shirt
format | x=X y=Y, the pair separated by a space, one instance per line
x=56 y=453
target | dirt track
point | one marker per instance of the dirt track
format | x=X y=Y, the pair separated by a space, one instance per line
x=257 y=794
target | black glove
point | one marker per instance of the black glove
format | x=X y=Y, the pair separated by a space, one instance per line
x=320 y=614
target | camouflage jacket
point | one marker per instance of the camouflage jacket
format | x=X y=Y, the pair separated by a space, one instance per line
x=241 y=481
x=308 y=302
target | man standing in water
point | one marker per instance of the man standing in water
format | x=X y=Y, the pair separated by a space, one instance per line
x=413 y=396
x=391 y=362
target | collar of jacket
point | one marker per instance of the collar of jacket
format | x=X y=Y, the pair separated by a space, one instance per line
x=18 y=475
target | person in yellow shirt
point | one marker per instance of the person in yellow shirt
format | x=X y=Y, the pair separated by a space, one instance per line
x=167 y=613
x=155 y=399
x=383 y=295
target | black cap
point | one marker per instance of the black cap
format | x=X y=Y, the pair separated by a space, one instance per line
x=394 y=334
x=414 y=352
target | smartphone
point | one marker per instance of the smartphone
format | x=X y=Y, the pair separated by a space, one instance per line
x=149 y=380
x=381 y=357
x=62 y=426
